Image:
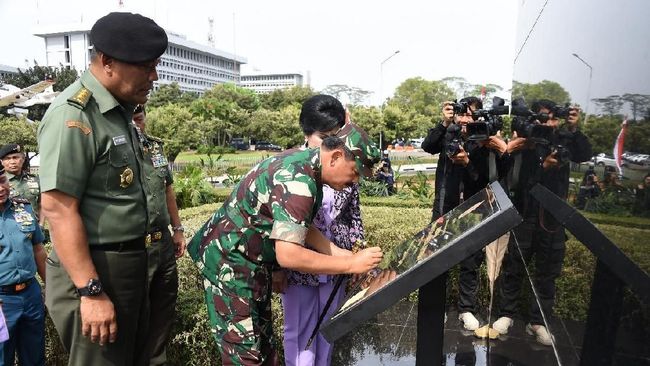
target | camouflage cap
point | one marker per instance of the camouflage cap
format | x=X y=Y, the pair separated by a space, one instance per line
x=9 y=149
x=364 y=149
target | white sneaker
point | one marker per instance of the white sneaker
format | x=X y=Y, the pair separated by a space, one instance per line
x=541 y=334
x=502 y=324
x=469 y=321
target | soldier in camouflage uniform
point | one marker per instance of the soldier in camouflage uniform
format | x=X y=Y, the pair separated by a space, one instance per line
x=265 y=222
x=22 y=183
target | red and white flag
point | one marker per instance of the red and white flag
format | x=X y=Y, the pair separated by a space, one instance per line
x=618 y=146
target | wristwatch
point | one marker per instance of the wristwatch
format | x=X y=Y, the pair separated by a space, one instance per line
x=180 y=228
x=94 y=288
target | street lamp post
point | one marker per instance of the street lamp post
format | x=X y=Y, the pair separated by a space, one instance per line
x=381 y=92
x=381 y=77
x=591 y=69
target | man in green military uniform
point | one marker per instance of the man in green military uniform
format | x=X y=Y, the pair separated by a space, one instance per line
x=267 y=221
x=95 y=196
x=21 y=182
x=164 y=249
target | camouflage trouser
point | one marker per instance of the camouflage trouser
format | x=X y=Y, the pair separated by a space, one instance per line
x=242 y=327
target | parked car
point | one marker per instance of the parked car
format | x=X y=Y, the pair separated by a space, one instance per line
x=604 y=160
x=417 y=143
x=265 y=145
x=239 y=144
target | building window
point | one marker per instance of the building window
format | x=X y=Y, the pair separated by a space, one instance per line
x=66 y=41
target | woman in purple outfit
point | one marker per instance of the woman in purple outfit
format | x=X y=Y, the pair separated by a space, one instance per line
x=339 y=219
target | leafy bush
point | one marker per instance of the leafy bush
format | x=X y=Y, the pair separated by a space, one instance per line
x=372 y=188
x=418 y=187
x=616 y=203
x=192 y=188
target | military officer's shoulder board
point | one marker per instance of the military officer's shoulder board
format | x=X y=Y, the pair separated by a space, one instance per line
x=81 y=98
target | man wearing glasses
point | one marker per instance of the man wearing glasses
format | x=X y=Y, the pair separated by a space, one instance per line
x=96 y=197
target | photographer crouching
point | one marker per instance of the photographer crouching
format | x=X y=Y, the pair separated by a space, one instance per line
x=472 y=154
x=541 y=150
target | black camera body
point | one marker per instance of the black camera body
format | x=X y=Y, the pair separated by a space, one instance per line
x=530 y=129
x=453 y=140
x=460 y=108
x=482 y=130
x=557 y=142
x=486 y=121
x=562 y=139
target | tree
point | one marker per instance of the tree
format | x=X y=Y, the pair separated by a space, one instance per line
x=368 y=118
x=280 y=127
x=543 y=90
x=424 y=96
x=177 y=126
x=221 y=119
x=281 y=98
x=355 y=95
x=491 y=90
x=610 y=105
x=638 y=103
x=603 y=130
x=461 y=87
x=170 y=94
x=62 y=76
x=244 y=98
x=18 y=131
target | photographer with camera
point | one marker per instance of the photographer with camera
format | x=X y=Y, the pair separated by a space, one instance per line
x=472 y=154
x=540 y=150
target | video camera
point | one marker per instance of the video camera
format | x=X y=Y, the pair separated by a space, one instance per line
x=491 y=123
x=498 y=109
x=520 y=109
x=548 y=140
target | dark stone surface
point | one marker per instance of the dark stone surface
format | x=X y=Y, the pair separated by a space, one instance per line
x=390 y=339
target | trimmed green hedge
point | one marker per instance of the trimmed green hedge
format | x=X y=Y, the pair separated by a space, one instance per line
x=387 y=226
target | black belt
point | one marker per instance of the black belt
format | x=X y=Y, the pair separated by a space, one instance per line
x=131 y=245
x=16 y=287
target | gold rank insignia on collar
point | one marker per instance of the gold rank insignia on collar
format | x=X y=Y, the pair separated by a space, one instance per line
x=81 y=98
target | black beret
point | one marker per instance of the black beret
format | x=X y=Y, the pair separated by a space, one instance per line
x=9 y=149
x=129 y=37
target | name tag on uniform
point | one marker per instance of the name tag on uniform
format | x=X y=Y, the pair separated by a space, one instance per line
x=119 y=140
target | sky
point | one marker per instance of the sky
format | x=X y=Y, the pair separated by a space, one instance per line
x=337 y=42
x=613 y=37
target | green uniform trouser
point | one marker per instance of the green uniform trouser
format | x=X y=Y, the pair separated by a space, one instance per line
x=124 y=278
x=163 y=291
x=242 y=327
